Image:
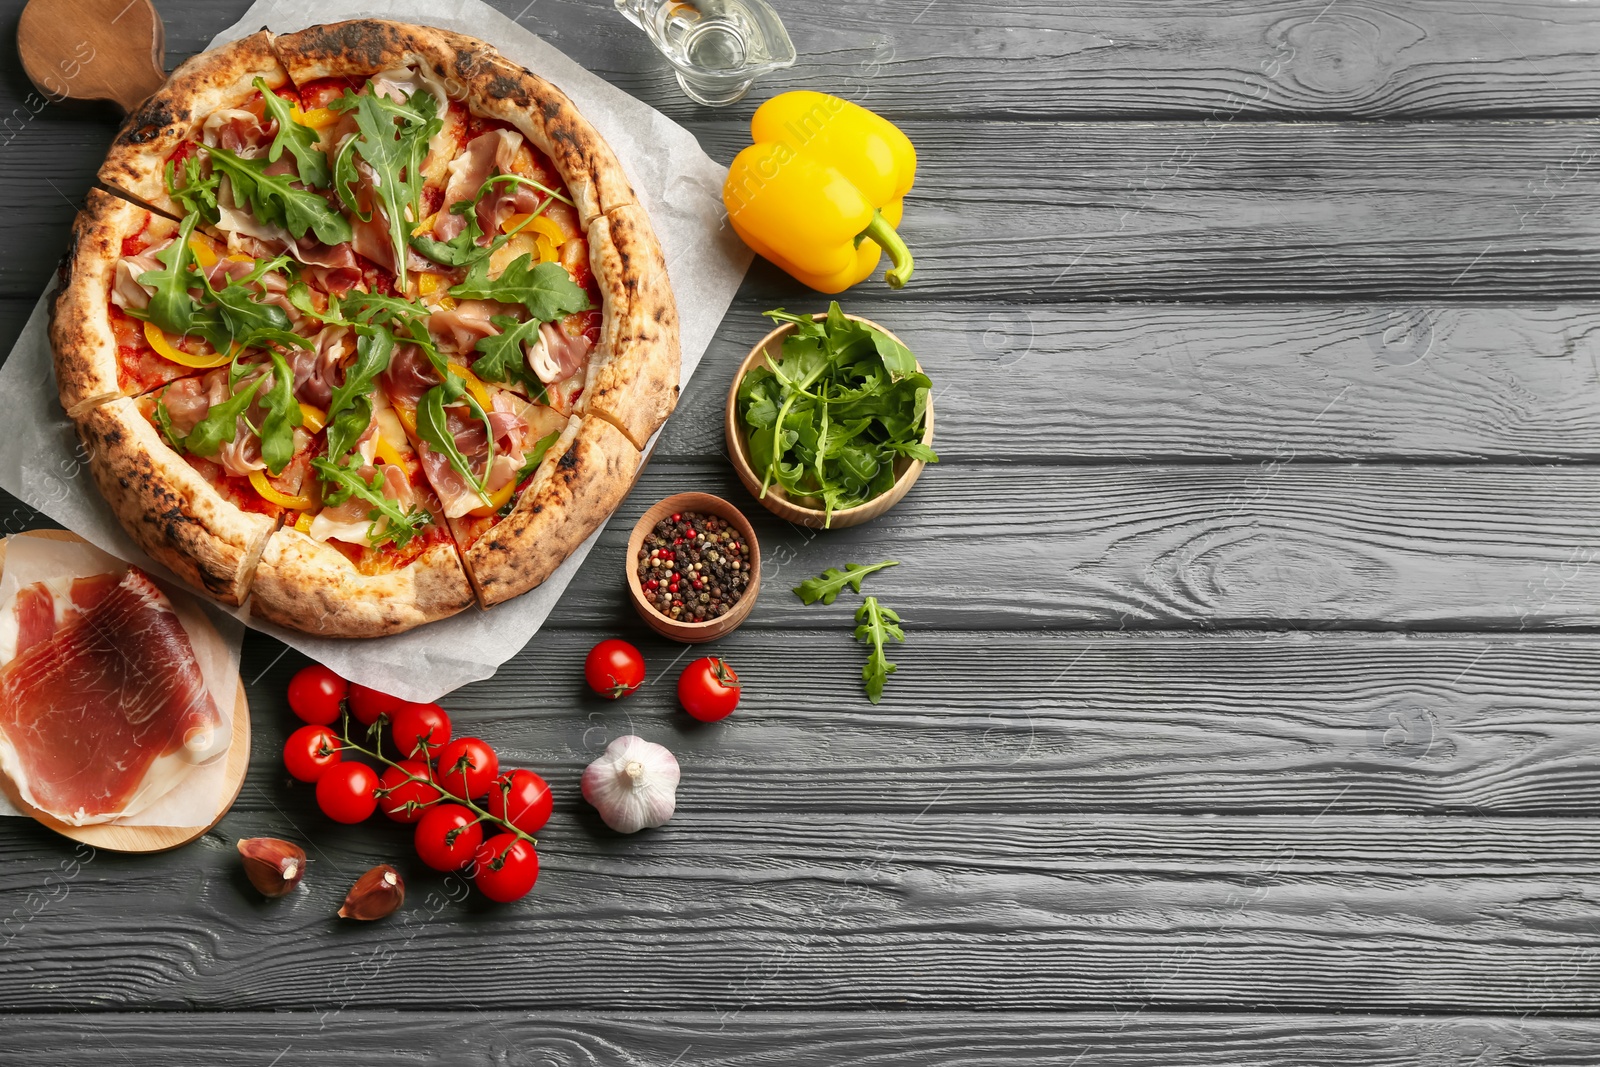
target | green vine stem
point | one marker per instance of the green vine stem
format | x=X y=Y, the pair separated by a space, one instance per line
x=375 y=732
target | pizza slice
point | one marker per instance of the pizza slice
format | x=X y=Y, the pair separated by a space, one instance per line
x=181 y=472
x=103 y=346
x=216 y=94
x=376 y=557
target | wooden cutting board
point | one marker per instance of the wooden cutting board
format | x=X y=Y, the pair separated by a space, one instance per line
x=110 y=50
x=117 y=838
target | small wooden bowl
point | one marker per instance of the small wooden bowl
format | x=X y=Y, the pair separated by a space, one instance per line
x=694 y=633
x=799 y=511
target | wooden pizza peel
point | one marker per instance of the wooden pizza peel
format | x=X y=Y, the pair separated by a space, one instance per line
x=93 y=50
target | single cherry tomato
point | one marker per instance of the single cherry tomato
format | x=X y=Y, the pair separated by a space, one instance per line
x=708 y=689
x=416 y=722
x=404 y=798
x=506 y=868
x=348 y=792
x=367 y=704
x=614 y=668
x=467 y=766
x=315 y=693
x=310 y=751
x=448 y=837
x=522 y=799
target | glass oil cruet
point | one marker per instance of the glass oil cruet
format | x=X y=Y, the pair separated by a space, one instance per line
x=718 y=47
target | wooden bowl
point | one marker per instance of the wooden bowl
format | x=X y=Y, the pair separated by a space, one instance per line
x=694 y=633
x=801 y=511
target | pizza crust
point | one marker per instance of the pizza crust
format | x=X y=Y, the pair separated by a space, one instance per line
x=633 y=371
x=307 y=585
x=168 y=507
x=502 y=90
x=81 y=337
x=223 y=77
x=580 y=483
x=363 y=47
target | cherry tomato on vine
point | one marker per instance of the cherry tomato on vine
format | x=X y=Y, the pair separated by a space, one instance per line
x=315 y=693
x=310 y=751
x=367 y=704
x=448 y=836
x=708 y=689
x=401 y=789
x=522 y=799
x=466 y=767
x=348 y=792
x=413 y=722
x=507 y=867
x=614 y=668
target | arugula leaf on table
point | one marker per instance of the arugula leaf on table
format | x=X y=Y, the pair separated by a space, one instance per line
x=273 y=199
x=546 y=290
x=350 y=407
x=877 y=624
x=301 y=141
x=392 y=138
x=434 y=428
x=282 y=416
x=501 y=357
x=221 y=423
x=197 y=192
x=828 y=587
x=345 y=481
x=171 y=307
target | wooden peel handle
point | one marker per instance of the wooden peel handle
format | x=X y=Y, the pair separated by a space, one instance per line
x=93 y=50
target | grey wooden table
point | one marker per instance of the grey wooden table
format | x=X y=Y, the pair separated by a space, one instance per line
x=1249 y=712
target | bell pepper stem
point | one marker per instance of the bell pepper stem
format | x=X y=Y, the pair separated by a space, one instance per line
x=890 y=241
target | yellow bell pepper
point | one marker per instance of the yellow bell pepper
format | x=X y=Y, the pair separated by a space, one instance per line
x=475 y=386
x=317 y=118
x=271 y=492
x=497 y=500
x=384 y=449
x=167 y=350
x=821 y=190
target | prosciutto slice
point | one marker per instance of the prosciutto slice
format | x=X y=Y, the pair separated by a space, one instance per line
x=103 y=708
x=126 y=292
x=459 y=329
x=556 y=356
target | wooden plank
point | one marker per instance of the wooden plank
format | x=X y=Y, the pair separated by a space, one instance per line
x=1279 y=544
x=1165 y=382
x=991 y=913
x=1270 y=544
x=493 y=1037
x=1186 y=59
x=1114 y=60
x=48 y=159
x=1440 y=213
x=1052 y=724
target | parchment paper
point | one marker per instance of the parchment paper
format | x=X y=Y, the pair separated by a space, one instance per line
x=214 y=635
x=42 y=463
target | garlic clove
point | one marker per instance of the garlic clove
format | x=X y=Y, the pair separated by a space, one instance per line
x=273 y=866
x=376 y=894
x=633 y=785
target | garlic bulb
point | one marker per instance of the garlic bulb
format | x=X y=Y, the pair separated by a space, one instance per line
x=633 y=785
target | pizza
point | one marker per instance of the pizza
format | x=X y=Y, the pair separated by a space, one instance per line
x=366 y=327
